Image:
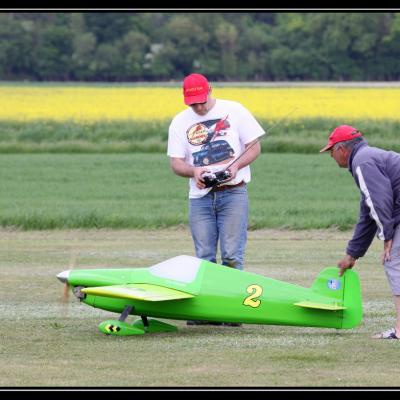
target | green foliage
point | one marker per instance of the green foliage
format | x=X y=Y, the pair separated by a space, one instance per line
x=16 y=42
x=131 y=46
x=107 y=26
x=53 y=53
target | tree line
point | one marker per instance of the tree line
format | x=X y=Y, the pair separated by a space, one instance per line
x=225 y=46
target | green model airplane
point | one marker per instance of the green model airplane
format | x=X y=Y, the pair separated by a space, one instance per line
x=188 y=288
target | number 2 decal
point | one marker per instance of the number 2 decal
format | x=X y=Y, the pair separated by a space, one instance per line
x=255 y=292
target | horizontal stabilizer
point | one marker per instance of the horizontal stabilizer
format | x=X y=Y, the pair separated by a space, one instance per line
x=138 y=291
x=322 y=306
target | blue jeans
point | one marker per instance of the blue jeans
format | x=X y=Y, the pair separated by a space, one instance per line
x=220 y=216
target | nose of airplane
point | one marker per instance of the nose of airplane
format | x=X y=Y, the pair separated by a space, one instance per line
x=63 y=276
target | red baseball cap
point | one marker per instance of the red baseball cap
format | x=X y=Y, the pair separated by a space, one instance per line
x=341 y=134
x=195 y=89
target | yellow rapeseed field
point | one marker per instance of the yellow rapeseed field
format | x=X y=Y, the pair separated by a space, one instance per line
x=97 y=103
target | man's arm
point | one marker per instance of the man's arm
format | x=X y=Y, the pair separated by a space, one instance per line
x=247 y=158
x=375 y=215
x=378 y=193
x=181 y=168
x=364 y=232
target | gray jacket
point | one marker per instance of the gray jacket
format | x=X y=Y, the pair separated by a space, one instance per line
x=377 y=174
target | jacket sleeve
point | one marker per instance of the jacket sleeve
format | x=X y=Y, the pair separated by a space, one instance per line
x=376 y=208
x=364 y=232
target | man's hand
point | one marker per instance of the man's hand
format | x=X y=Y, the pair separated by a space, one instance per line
x=233 y=169
x=387 y=246
x=198 y=176
x=347 y=262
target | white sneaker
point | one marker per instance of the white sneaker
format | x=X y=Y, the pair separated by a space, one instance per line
x=389 y=334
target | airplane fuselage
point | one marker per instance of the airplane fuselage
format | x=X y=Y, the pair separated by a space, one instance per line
x=225 y=294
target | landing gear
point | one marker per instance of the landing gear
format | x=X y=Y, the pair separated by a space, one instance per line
x=139 y=327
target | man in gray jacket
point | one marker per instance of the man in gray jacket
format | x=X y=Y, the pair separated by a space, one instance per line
x=377 y=174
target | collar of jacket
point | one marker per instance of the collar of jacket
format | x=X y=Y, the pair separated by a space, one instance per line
x=356 y=148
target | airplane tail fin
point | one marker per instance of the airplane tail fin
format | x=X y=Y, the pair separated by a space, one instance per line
x=345 y=290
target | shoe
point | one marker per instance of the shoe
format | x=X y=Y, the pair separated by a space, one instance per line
x=203 y=323
x=389 y=334
x=232 y=324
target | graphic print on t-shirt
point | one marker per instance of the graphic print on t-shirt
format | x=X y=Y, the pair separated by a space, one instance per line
x=204 y=134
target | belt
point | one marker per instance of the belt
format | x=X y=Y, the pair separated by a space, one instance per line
x=220 y=188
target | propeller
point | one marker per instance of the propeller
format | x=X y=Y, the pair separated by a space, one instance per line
x=65 y=294
x=63 y=277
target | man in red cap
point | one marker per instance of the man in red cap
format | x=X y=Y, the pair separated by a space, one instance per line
x=204 y=140
x=377 y=174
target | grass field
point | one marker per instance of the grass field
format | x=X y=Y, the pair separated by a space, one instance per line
x=47 y=343
x=129 y=136
x=109 y=199
x=47 y=191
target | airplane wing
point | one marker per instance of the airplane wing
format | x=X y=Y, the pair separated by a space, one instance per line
x=322 y=306
x=138 y=291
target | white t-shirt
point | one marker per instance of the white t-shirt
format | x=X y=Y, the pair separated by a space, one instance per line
x=213 y=140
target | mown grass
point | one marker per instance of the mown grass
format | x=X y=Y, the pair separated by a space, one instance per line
x=304 y=135
x=56 y=191
x=47 y=343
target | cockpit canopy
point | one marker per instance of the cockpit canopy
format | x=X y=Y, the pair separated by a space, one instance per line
x=181 y=268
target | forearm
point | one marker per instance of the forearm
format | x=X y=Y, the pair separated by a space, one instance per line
x=181 y=168
x=250 y=155
x=364 y=232
x=361 y=241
